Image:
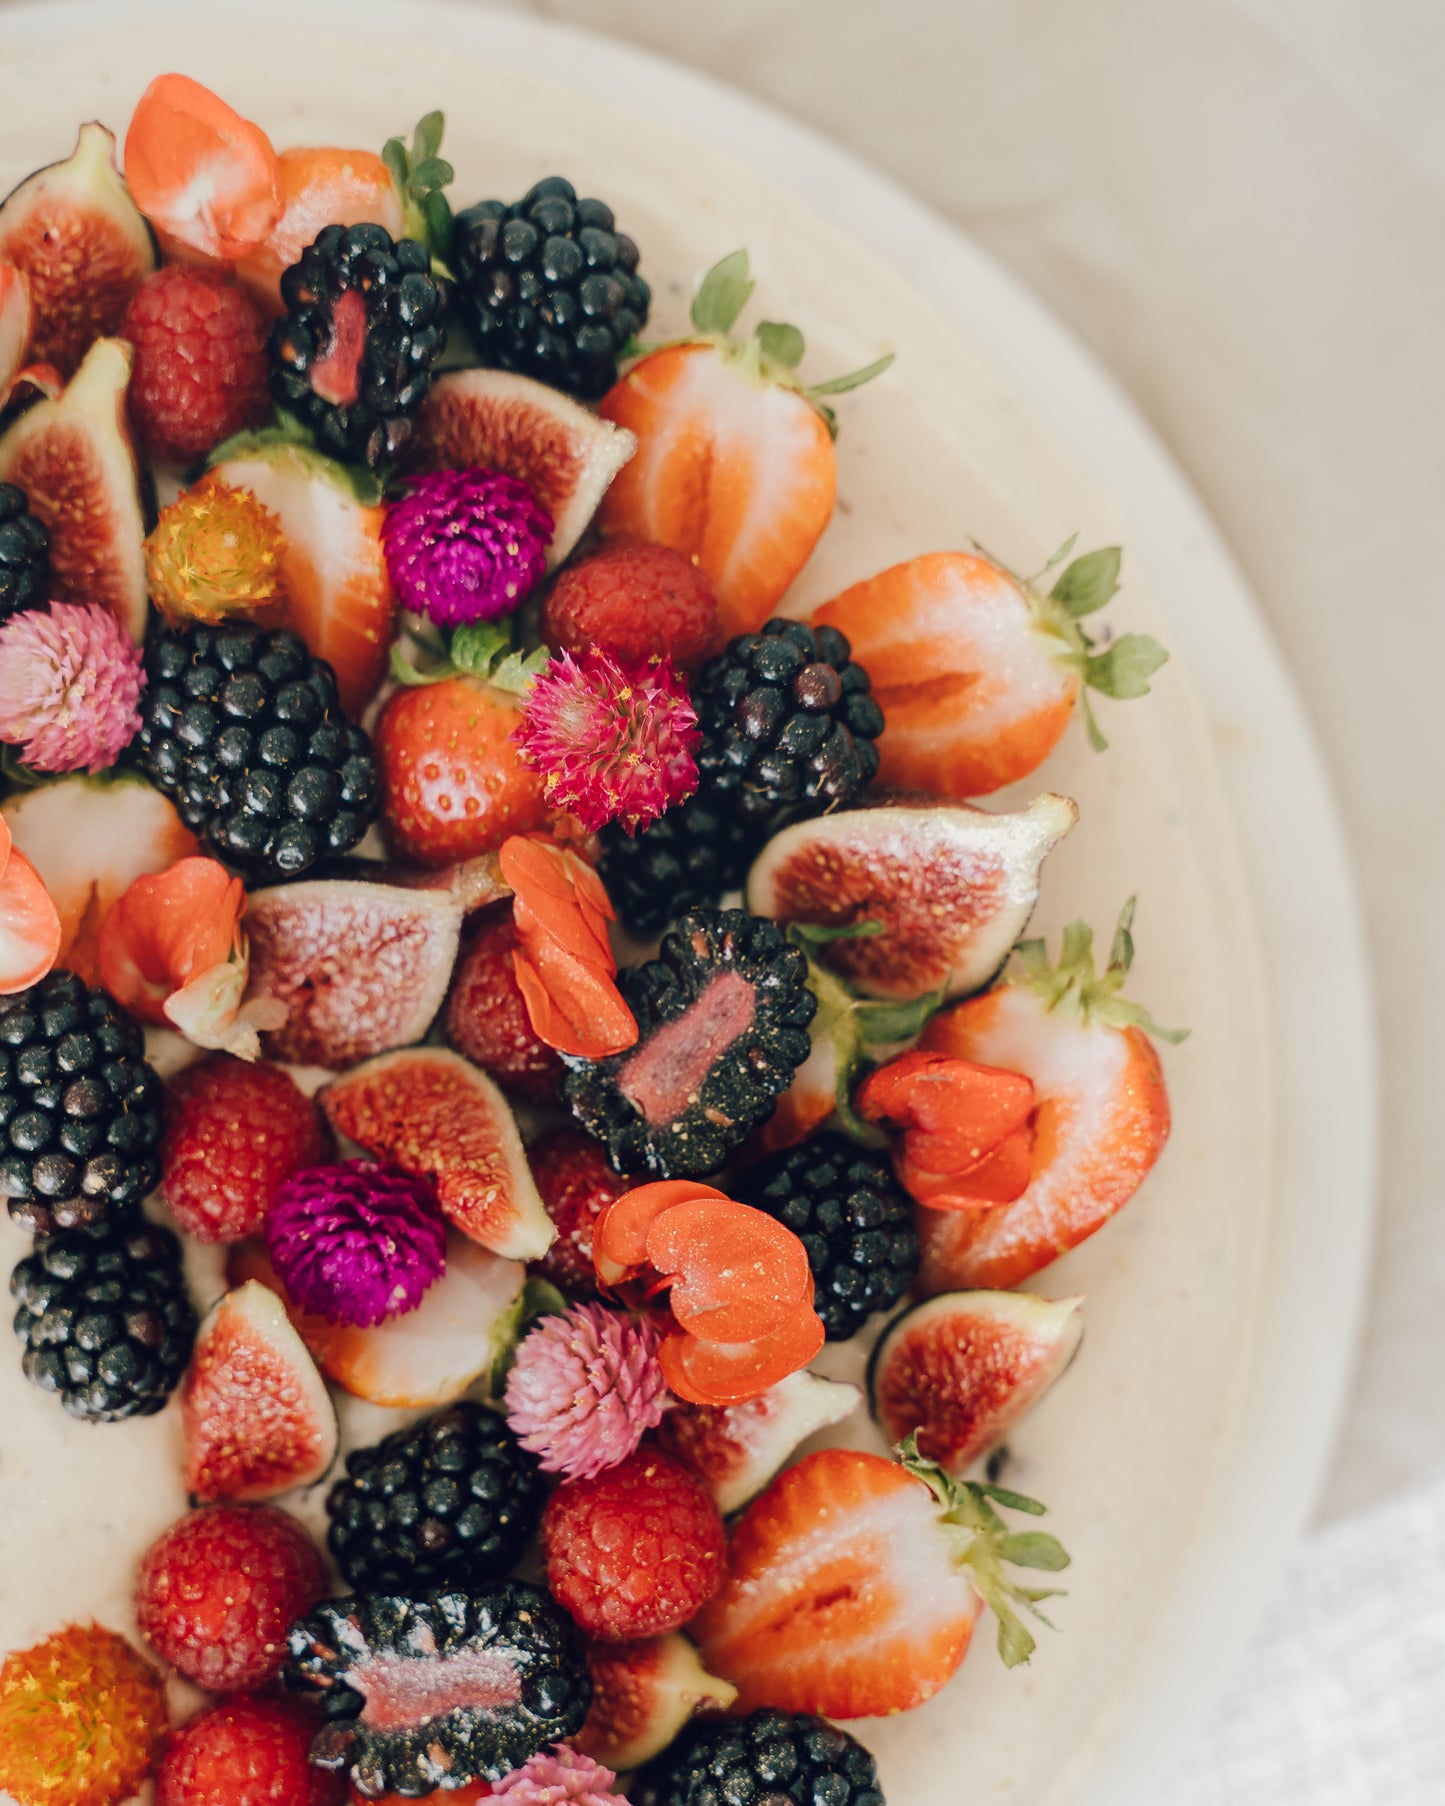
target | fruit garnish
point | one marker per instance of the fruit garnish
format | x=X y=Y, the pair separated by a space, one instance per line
x=465 y=545
x=577 y=1183
x=356 y=1242
x=738 y=1448
x=255 y=1414
x=431 y=1112
x=205 y=178
x=82 y=1716
x=420 y=176
x=214 y=552
x=245 y=1752
x=486 y=1016
x=743 y=1759
x=959 y=1371
x=17 y=325
x=69 y=683
x=319 y=187
x=24 y=543
x=636 y=602
x=30 y=932
x=967 y=1130
x=642 y=1695
x=200 y=371
x=584 y=1389
x=613 y=741
x=561 y=1776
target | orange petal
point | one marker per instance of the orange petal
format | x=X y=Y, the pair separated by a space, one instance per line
x=167 y=928
x=29 y=921
x=619 y=1236
x=199 y=171
x=737 y=1272
x=571 y=1006
x=557 y=894
x=730 y=1373
x=944 y=1093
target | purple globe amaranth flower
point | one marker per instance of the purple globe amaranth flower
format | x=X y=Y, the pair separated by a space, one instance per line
x=69 y=683
x=356 y=1241
x=584 y=1389
x=465 y=545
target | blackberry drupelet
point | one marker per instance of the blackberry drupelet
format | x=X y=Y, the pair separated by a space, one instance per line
x=243 y=731
x=689 y=857
x=467 y=1685
x=853 y=1218
x=352 y=356
x=788 y=723
x=549 y=287
x=722 y=1018
x=24 y=554
x=104 y=1317
x=449 y=1501
x=81 y=1110
x=765 y=1759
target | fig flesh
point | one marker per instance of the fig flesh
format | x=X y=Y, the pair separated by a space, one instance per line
x=738 y=1448
x=951 y=885
x=566 y=456
x=642 y=1695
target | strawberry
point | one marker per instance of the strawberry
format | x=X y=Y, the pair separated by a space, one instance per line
x=577 y=1183
x=29 y=921
x=246 y=1752
x=854 y=1583
x=486 y=1018
x=978 y=671
x=319 y=187
x=734 y=465
x=1101 y=1113
x=205 y=178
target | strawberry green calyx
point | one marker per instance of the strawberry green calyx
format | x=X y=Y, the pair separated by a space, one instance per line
x=421 y=176
x=1073 y=986
x=984 y=1544
x=484 y=652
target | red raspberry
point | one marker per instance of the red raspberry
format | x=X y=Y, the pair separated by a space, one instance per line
x=636 y=600
x=487 y=1020
x=200 y=371
x=234 y=1131
x=219 y=1590
x=636 y=1551
x=247 y=1752
x=576 y=1181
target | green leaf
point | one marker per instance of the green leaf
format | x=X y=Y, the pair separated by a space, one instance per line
x=1121 y=949
x=1091 y=724
x=1062 y=553
x=405 y=672
x=880 y=1023
x=1015 y=1642
x=18 y=774
x=475 y=649
x=1034 y=1549
x=722 y=295
x=1089 y=582
x=515 y=672
x=1011 y=1501
x=426 y=140
x=820 y=934
x=393 y=155
x=782 y=344
x=436 y=210
x=431 y=172
x=1124 y=669
x=855 y=379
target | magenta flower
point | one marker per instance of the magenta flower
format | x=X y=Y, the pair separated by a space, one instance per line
x=584 y=1389
x=560 y=1776
x=69 y=683
x=465 y=545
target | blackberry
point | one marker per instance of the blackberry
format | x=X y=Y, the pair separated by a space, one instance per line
x=352 y=356
x=549 y=287
x=449 y=1501
x=80 y=1108
x=689 y=856
x=768 y=1758
x=853 y=1218
x=519 y=1657
x=722 y=1017
x=787 y=722
x=24 y=554
x=105 y=1318
x=242 y=729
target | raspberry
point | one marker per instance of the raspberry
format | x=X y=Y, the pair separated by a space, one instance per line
x=637 y=601
x=219 y=1590
x=636 y=1551
x=200 y=371
x=235 y=1133
x=576 y=1181
x=246 y=1752
x=487 y=1020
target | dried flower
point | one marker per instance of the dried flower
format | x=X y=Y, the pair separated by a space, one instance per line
x=560 y=1776
x=465 y=545
x=69 y=683
x=963 y=1134
x=584 y=1389
x=216 y=551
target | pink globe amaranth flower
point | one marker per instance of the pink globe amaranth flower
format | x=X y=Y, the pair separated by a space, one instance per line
x=356 y=1241
x=69 y=683
x=613 y=741
x=560 y=1776
x=465 y=545
x=584 y=1389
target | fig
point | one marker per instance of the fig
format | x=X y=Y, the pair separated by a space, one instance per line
x=642 y=1695
x=360 y=967
x=256 y=1417
x=430 y=1111
x=952 y=887
x=80 y=240
x=17 y=316
x=961 y=1369
x=72 y=456
x=738 y=1448
x=565 y=456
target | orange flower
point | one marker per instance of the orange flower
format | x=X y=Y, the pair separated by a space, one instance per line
x=564 y=965
x=966 y=1142
x=29 y=920
x=172 y=952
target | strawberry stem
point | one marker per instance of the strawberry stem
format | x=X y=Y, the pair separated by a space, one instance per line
x=485 y=652
x=421 y=176
x=1073 y=986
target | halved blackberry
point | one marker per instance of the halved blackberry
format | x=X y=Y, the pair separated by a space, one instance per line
x=549 y=287
x=689 y=857
x=419 y=1694
x=242 y=729
x=104 y=1317
x=768 y=1758
x=352 y=356
x=853 y=1218
x=449 y=1501
x=81 y=1110
x=24 y=554
x=722 y=1018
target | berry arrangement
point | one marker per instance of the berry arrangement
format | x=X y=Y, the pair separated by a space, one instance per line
x=583 y=990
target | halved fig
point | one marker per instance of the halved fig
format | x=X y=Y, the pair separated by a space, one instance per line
x=565 y=456
x=738 y=1448
x=642 y=1695
x=360 y=967
x=961 y=1369
x=952 y=886
x=80 y=239
x=430 y=1111
x=73 y=458
x=16 y=318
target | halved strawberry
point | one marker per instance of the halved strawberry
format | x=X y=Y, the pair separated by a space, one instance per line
x=29 y=921
x=978 y=671
x=206 y=179
x=854 y=1583
x=1101 y=1112
x=319 y=187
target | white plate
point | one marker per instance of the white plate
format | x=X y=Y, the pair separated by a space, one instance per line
x=1181 y=1452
